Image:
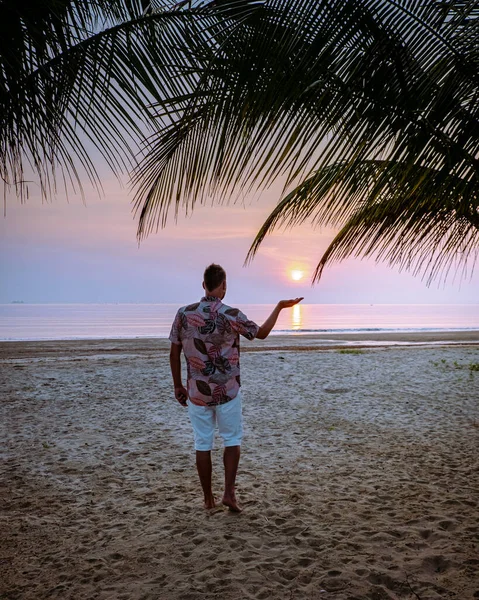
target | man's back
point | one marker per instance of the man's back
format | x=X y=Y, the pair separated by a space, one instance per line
x=209 y=334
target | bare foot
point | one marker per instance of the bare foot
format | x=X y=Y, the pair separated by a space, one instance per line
x=210 y=503
x=231 y=503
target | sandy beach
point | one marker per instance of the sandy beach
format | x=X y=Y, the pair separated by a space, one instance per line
x=359 y=475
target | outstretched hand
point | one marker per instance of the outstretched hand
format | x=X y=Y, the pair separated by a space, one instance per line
x=289 y=303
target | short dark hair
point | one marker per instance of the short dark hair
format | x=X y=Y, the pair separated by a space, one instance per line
x=213 y=277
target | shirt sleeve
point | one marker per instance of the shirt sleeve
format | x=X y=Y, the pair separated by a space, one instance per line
x=175 y=337
x=247 y=328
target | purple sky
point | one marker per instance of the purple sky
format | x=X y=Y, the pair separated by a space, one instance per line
x=68 y=252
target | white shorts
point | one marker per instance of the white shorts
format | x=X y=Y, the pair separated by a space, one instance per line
x=229 y=419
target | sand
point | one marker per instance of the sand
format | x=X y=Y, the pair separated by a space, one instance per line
x=359 y=475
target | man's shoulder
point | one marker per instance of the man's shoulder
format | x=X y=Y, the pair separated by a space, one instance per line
x=231 y=311
x=189 y=307
x=226 y=309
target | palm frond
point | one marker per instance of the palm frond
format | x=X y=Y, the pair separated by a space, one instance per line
x=368 y=109
x=426 y=223
x=74 y=74
x=325 y=87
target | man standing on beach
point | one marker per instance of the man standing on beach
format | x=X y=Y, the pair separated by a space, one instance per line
x=208 y=333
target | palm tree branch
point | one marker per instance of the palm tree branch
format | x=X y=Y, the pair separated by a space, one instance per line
x=400 y=213
x=106 y=86
x=259 y=129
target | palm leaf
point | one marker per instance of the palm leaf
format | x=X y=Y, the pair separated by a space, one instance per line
x=75 y=75
x=426 y=223
x=331 y=89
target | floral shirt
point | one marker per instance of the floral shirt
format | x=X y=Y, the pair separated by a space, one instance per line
x=209 y=333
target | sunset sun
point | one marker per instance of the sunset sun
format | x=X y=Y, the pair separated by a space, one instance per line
x=297 y=275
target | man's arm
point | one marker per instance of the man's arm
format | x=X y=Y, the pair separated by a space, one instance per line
x=270 y=322
x=175 y=364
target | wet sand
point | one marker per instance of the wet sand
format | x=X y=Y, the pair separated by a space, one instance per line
x=152 y=346
x=359 y=475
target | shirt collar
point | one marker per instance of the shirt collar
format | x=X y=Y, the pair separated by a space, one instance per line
x=210 y=299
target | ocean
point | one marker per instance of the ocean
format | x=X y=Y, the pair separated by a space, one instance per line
x=97 y=321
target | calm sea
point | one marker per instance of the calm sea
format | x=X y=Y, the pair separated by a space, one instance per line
x=96 y=321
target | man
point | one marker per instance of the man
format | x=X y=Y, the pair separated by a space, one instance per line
x=208 y=333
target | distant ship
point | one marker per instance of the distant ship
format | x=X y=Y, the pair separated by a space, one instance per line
x=17 y=302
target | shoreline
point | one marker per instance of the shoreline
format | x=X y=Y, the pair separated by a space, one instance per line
x=12 y=350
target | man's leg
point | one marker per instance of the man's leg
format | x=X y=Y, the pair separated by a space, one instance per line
x=203 y=421
x=230 y=425
x=203 y=464
x=231 y=458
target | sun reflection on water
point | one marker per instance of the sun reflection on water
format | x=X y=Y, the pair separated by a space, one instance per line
x=296 y=317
